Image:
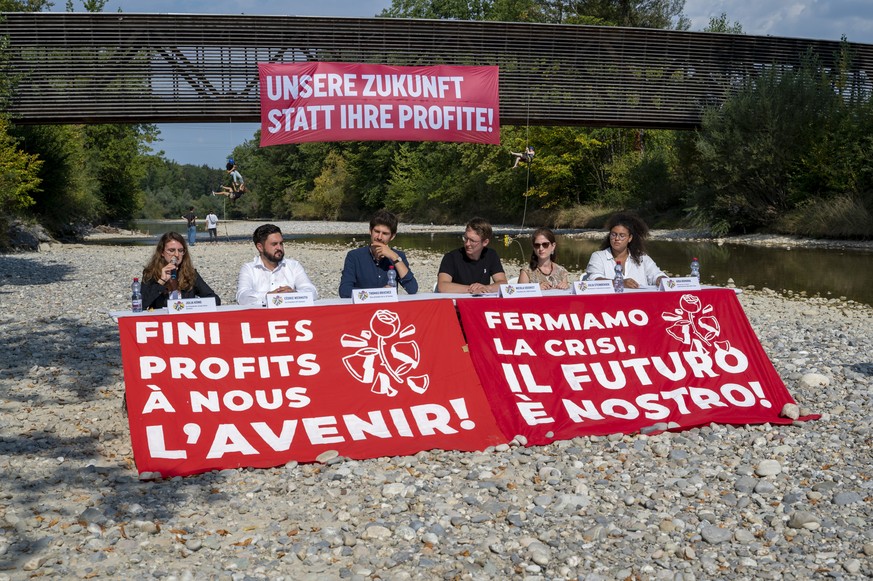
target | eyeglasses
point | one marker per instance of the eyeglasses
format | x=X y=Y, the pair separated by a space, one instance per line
x=470 y=240
x=174 y=250
x=541 y=244
x=617 y=235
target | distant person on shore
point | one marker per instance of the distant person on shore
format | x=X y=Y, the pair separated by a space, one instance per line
x=270 y=272
x=212 y=226
x=171 y=254
x=191 y=218
x=542 y=268
x=525 y=156
x=625 y=243
x=367 y=266
x=237 y=185
x=475 y=268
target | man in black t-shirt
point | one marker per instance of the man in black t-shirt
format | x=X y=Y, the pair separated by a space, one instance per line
x=475 y=268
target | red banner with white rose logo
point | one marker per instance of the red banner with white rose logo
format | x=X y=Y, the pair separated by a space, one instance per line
x=331 y=101
x=559 y=367
x=263 y=387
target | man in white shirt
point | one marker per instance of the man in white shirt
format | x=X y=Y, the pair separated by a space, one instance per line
x=212 y=226
x=270 y=272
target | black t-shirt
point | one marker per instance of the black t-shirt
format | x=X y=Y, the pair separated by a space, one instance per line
x=465 y=271
x=191 y=217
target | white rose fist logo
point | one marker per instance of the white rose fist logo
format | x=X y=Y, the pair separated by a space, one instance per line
x=383 y=358
x=694 y=325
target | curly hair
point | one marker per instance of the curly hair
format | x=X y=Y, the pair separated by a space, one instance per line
x=186 y=275
x=638 y=231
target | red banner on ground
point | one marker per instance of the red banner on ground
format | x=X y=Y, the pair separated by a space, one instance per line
x=263 y=387
x=326 y=101
x=556 y=368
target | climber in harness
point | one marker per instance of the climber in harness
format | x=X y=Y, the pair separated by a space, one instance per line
x=525 y=156
x=237 y=185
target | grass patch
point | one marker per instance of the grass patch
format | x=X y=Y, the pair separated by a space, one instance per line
x=838 y=217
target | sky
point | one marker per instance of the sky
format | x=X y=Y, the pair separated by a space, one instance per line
x=210 y=143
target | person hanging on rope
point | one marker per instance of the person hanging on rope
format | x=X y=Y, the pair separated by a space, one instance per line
x=237 y=185
x=526 y=156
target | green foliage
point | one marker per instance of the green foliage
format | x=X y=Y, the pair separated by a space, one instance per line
x=19 y=174
x=720 y=23
x=68 y=195
x=786 y=138
x=329 y=196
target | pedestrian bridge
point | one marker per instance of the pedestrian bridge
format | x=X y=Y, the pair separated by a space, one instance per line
x=165 y=68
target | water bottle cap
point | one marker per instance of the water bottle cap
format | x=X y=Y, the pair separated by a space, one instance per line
x=135 y=279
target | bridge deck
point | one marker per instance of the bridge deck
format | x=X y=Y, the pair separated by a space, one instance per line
x=160 y=68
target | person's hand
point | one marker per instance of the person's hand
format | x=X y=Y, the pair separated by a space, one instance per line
x=167 y=272
x=477 y=289
x=282 y=289
x=631 y=283
x=563 y=285
x=381 y=250
x=546 y=285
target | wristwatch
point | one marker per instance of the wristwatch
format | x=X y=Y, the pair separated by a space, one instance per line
x=398 y=260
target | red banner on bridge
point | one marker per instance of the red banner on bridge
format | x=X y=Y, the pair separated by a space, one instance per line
x=326 y=101
x=556 y=368
x=266 y=386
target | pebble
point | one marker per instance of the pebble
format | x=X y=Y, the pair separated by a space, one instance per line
x=718 y=501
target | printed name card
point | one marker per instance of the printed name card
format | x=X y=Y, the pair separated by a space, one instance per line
x=593 y=287
x=284 y=300
x=366 y=296
x=681 y=283
x=185 y=306
x=519 y=290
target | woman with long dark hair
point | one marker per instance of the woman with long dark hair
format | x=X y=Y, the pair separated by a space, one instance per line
x=542 y=268
x=625 y=244
x=171 y=256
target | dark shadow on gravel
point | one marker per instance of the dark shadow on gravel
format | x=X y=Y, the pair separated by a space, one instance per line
x=76 y=360
x=862 y=368
x=20 y=270
x=62 y=494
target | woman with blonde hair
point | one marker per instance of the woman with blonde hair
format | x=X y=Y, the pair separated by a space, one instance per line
x=158 y=281
x=542 y=268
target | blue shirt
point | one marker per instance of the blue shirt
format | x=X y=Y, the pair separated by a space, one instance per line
x=361 y=271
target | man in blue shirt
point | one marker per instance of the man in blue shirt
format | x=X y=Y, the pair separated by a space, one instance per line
x=367 y=267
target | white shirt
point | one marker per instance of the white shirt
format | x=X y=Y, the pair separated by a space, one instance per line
x=211 y=221
x=256 y=280
x=602 y=265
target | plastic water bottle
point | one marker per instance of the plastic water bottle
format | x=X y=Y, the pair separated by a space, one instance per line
x=695 y=268
x=136 y=296
x=392 y=277
x=175 y=294
x=618 y=281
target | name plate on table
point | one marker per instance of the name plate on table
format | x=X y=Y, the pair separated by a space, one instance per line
x=519 y=290
x=681 y=283
x=284 y=300
x=184 y=306
x=593 y=287
x=366 y=296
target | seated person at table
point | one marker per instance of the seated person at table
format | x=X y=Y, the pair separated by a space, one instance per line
x=625 y=243
x=171 y=254
x=367 y=266
x=270 y=272
x=475 y=268
x=542 y=268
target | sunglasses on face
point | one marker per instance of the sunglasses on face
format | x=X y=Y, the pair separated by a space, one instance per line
x=617 y=235
x=538 y=245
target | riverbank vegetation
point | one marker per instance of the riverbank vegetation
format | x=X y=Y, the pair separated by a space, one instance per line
x=789 y=151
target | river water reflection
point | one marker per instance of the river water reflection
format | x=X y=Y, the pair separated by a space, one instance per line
x=815 y=271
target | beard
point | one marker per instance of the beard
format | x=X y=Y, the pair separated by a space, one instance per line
x=276 y=257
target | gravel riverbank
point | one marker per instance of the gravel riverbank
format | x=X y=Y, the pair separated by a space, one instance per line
x=751 y=502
